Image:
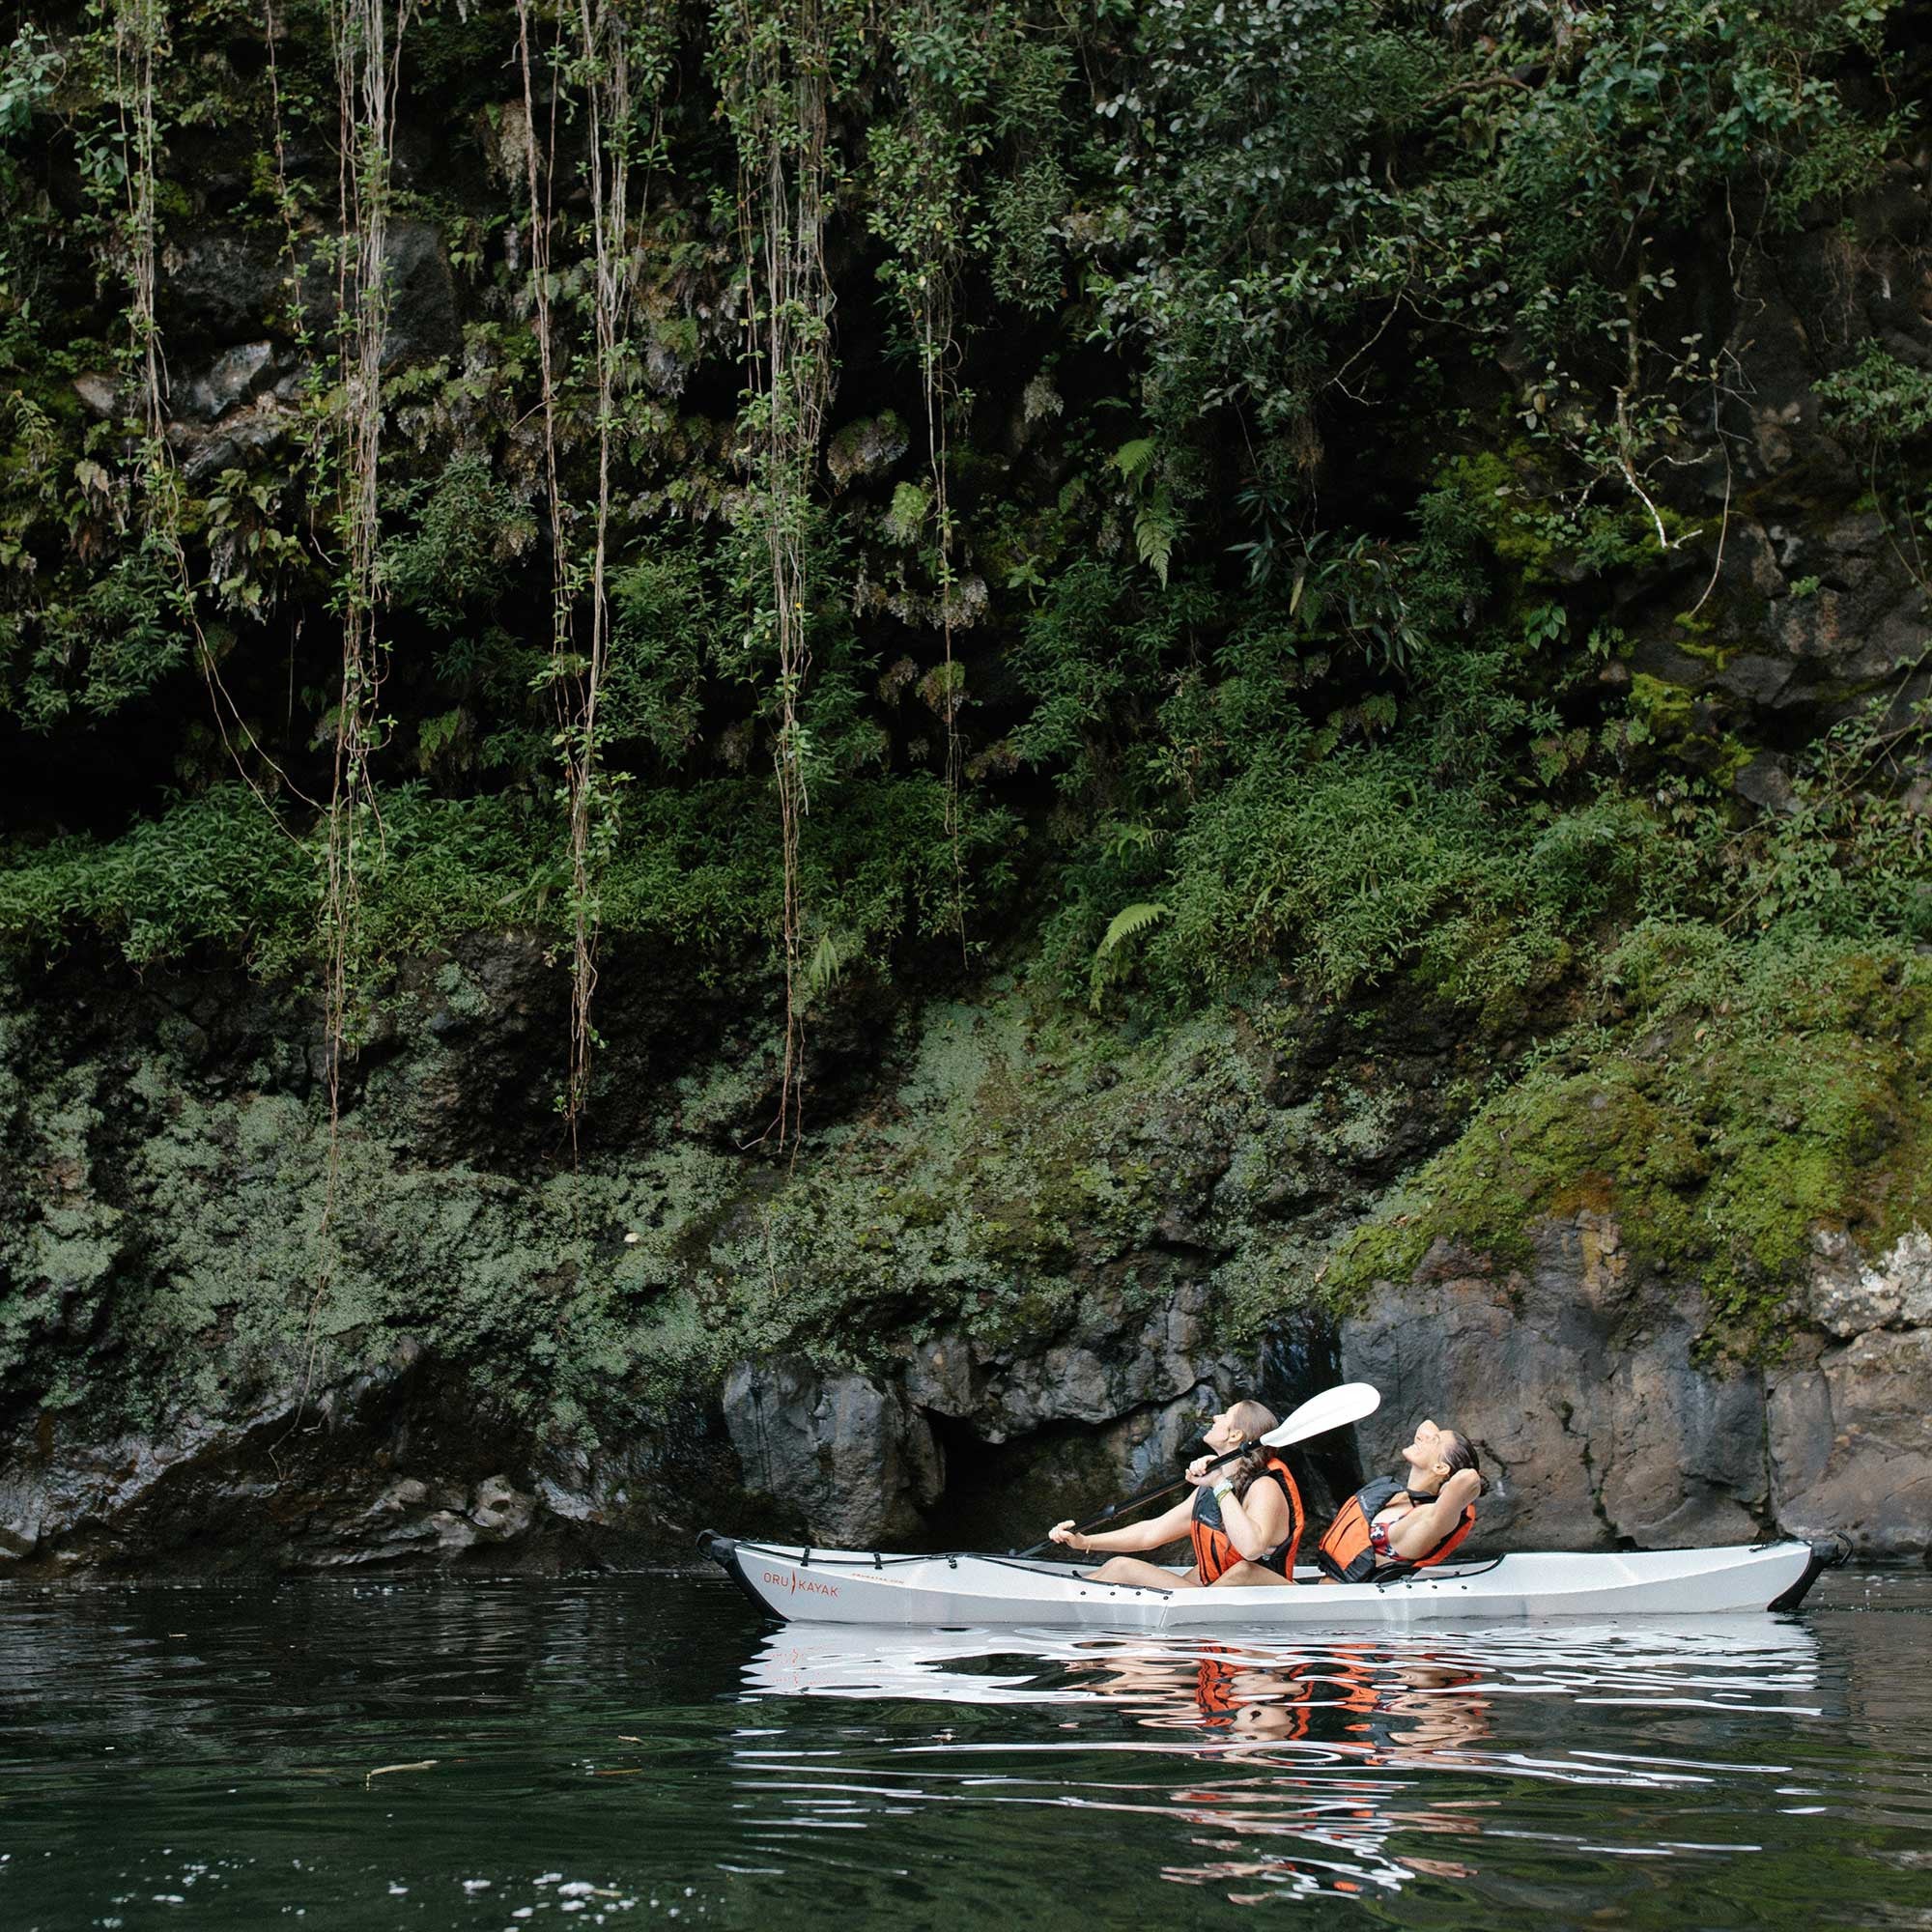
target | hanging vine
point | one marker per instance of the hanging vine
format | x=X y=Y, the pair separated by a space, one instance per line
x=540 y=177
x=140 y=31
x=776 y=68
x=925 y=210
x=592 y=791
x=367 y=49
x=140 y=41
x=610 y=40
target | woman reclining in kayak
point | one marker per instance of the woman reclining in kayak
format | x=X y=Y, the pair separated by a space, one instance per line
x=1391 y=1525
x=1244 y=1518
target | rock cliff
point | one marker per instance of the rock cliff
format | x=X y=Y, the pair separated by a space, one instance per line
x=1345 y=869
x=516 y=1365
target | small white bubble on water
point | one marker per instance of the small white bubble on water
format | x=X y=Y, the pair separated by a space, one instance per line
x=476 y=1884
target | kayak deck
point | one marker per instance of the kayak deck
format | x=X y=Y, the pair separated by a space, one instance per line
x=807 y=1586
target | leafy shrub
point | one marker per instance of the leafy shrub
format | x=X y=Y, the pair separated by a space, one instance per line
x=1358 y=866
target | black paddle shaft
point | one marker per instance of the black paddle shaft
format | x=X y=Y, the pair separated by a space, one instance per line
x=1133 y=1502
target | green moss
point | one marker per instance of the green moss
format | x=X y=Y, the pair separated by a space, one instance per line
x=1491 y=489
x=1718 y=1130
x=1699 y=634
x=1663 y=709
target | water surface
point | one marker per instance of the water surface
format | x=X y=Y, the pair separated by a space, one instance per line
x=644 y=1749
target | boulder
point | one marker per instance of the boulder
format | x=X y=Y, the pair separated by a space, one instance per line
x=234 y=376
x=1851 y=1425
x=867 y=448
x=501 y=1511
x=422 y=321
x=99 y=392
x=220 y=288
x=1593 y=1422
x=1845 y=1296
x=850 y=1456
x=1851 y=1443
x=1587 y=1396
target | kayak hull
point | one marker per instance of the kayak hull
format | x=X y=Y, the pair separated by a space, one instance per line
x=843 y=1586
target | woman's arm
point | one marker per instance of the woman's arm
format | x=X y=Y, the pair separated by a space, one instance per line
x=1134 y=1536
x=1255 y=1526
x=1418 y=1532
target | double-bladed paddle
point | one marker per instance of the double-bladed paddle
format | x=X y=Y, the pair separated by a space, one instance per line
x=1332 y=1409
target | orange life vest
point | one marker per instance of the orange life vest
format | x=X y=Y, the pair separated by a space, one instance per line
x=1346 y=1552
x=1215 y=1551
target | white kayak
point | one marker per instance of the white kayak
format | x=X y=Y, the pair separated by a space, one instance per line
x=849 y=1586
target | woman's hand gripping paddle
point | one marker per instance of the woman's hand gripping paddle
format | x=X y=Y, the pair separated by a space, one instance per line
x=1332 y=1409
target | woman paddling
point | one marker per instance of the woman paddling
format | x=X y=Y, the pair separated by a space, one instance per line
x=1244 y=1517
x=1391 y=1527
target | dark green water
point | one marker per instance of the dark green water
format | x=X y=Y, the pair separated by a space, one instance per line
x=644 y=1750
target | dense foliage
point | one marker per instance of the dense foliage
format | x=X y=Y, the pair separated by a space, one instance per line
x=1217 y=487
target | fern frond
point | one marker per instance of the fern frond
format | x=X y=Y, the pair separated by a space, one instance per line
x=1108 y=966
x=1129 y=920
x=1155 y=529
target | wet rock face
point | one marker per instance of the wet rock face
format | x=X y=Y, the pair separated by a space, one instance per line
x=859 y=1462
x=155 y=1140
x=1851 y=1413
x=1598 y=1429
x=1106 y=1367
x=849 y=1457
x=391 y=1469
x=1592 y=1424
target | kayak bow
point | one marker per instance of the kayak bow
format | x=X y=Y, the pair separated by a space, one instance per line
x=805 y=1585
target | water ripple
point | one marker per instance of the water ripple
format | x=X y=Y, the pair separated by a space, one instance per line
x=497 y=1757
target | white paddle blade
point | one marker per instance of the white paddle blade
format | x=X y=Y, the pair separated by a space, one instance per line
x=1332 y=1409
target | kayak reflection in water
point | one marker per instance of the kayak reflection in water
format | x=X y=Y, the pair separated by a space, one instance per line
x=1346 y=1709
x=1392 y=1526
x=1352 y=1699
x=1243 y=1520
x=1312 y=1751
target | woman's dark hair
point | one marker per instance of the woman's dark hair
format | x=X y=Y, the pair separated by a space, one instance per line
x=1254 y=1419
x=1460 y=1453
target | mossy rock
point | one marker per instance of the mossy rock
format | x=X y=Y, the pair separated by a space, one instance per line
x=1718 y=1141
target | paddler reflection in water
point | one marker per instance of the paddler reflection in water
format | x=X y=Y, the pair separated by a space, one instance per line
x=1244 y=1518
x=1393 y=1526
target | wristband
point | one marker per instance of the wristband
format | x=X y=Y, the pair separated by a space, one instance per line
x=1224 y=1488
